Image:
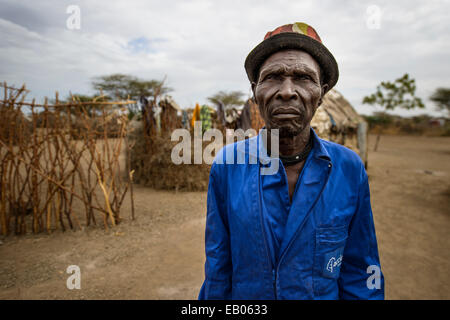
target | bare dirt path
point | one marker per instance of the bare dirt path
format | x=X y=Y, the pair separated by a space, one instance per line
x=160 y=255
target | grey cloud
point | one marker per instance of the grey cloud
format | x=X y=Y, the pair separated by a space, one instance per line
x=36 y=16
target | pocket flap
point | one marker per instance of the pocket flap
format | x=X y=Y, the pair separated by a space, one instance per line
x=334 y=234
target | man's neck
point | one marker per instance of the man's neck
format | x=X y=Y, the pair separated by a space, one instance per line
x=295 y=144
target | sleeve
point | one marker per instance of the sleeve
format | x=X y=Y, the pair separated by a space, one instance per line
x=361 y=276
x=218 y=267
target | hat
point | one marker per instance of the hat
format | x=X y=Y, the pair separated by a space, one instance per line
x=298 y=35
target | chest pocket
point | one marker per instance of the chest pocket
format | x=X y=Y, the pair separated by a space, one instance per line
x=328 y=258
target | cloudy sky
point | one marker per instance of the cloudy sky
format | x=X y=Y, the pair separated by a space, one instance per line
x=201 y=45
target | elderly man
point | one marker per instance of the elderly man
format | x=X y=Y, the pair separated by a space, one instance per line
x=306 y=231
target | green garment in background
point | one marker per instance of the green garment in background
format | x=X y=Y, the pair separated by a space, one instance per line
x=205 y=118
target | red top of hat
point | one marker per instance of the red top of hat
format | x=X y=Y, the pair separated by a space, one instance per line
x=298 y=27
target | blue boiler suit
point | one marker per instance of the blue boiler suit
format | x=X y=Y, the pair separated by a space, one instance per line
x=259 y=245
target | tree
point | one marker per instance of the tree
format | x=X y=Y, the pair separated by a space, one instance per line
x=90 y=109
x=228 y=99
x=390 y=95
x=441 y=97
x=124 y=86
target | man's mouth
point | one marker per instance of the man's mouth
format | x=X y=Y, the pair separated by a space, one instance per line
x=284 y=113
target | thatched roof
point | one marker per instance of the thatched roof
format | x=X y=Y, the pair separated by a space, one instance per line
x=169 y=101
x=336 y=112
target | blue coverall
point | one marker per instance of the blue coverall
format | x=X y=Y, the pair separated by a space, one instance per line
x=259 y=245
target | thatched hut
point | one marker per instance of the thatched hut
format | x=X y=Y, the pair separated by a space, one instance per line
x=336 y=120
x=170 y=115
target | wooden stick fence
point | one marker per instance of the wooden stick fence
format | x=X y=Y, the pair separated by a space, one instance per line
x=60 y=160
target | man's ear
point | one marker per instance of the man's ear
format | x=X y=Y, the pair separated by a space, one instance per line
x=324 y=89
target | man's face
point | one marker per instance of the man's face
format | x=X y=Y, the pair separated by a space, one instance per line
x=288 y=91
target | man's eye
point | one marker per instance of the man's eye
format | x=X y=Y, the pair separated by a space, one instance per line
x=271 y=76
x=303 y=77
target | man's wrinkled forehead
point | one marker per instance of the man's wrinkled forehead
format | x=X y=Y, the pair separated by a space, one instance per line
x=283 y=68
x=290 y=61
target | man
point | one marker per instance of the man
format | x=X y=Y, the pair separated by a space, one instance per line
x=306 y=231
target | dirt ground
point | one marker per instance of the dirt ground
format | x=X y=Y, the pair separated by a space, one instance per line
x=160 y=255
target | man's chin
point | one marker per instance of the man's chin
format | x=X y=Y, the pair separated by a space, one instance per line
x=286 y=129
x=289 y=131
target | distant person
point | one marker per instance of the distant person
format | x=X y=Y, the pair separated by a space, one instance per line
x=306 y=231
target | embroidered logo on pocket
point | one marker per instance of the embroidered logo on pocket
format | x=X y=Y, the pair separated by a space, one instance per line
x=332 y=263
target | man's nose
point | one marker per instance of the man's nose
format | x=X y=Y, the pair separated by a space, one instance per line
x=287 y=90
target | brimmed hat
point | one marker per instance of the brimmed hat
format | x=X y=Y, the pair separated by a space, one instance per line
x=298 y=35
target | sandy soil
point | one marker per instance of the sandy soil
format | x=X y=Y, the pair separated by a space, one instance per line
x=410 y=193
x=160 y=255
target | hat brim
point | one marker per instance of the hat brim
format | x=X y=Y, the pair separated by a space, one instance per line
x=292 y=40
